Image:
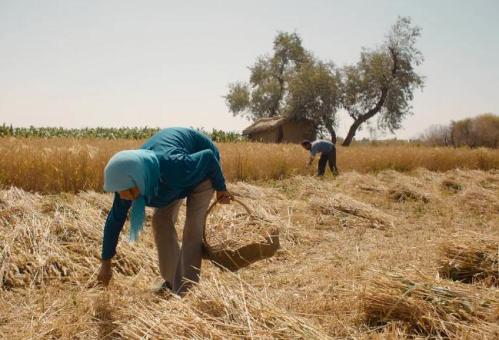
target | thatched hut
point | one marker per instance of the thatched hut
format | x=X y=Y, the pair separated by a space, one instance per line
x=280 y=130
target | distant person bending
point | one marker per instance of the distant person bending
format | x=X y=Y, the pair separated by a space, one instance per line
x=173 y=164
x=328 y=155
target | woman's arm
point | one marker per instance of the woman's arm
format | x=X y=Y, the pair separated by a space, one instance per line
x=114 y=224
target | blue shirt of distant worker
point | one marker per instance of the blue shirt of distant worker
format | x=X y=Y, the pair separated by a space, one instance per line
x=174 y=164
x=327 y=150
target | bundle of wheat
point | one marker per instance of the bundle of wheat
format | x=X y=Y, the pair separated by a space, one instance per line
x=430 y=307
x=57 y=237
x=50 y=249
x=451 y=185
x=480 y=200
x=469 y=257
x=361 y=213
x=222 y=308
x=408 y=193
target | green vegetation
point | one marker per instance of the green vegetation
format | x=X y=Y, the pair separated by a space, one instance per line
x=137 y=133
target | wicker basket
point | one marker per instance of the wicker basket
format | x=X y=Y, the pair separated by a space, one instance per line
x=226 y=257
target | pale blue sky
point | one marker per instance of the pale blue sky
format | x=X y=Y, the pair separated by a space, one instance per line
x=168 y=63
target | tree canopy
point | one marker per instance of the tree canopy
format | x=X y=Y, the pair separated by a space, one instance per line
x=264 y=95
x=313 y=95
x=292 y=82
x=384 y=80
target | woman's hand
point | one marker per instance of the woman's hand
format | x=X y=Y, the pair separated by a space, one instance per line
x=105 y=272
x=224 y=197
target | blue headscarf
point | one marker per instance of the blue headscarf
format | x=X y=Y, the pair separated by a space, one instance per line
x=134 y=168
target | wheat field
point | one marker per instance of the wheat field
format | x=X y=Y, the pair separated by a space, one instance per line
x=55 y=165
x=404 y=243
x=364 y=255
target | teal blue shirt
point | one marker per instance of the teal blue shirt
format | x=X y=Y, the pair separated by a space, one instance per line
x=186 y=158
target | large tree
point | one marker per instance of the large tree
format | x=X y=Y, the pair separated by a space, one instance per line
x=313 y=95
x=383 y=81
x=290 y=82
x=266 y=92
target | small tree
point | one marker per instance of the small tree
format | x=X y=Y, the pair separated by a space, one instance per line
x=486 y=130
x=482 y=130
x=383 y=81
x=438 y=135
x=461 y=132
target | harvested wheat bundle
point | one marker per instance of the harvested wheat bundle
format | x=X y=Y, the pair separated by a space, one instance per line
x=45 y=238
x=470 y=258
x=301 y=187
x=343 y=204
x=405 y=193
x=480 y=200
x=222 y=308
x=364 y=182
x=254 y=192
x=236 y=236
x=490 y=182
x=431 y=307
x=451 y=185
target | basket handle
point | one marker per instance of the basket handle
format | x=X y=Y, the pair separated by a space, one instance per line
x=233 y=199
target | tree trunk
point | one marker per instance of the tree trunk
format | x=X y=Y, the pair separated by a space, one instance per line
x=275 y=110
x=331 y=131
x=333 y=136
x=280 y=134
x=362 y=118
x=351 y=132
x=379 y=105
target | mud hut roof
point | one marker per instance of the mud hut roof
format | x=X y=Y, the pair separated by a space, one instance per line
x=263 y=124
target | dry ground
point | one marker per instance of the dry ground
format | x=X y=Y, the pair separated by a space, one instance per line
x=359 y=258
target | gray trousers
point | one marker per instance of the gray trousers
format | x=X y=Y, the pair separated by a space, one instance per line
x=182 y=267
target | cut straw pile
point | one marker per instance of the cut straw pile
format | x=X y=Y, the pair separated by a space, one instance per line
x=431 y=307
x=50 y=248
x=311 y=289
x=227 y=309
x=451 y=185
x=231 y=226
x=408 y=193
x=44 y=238
x=468 y=257
x=480 y=200
x=361 y=213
